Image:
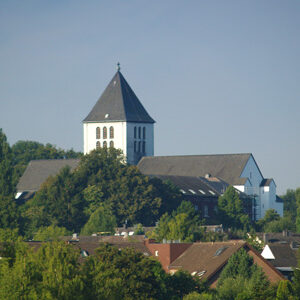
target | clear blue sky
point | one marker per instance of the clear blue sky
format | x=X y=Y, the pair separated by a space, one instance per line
x=217 y=76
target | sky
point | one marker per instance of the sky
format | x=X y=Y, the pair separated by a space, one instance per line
x=217 y=76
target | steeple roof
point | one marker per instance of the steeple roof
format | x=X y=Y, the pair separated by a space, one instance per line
x=118 y=103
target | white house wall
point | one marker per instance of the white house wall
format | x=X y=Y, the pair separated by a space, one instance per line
x=120 y=135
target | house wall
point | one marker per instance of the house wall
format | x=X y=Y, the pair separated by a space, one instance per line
x=166 y=253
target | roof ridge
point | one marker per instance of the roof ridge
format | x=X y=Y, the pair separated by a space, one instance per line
x=195 y=155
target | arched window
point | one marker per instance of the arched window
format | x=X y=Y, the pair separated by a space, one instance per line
x=139 y=147
x=143 y=146
x=104 y=132
x=135 y=147
x=105 y=144
x=139 y=132
x=144 y=132
x=98 y=133
x=135 y=132
x=98 y=145
x=111 y=144
x=111 y=132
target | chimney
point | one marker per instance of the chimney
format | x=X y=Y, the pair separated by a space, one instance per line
x=265 y=238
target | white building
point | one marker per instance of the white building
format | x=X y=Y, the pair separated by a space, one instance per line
x=119 y=120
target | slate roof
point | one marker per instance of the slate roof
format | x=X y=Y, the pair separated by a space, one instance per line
x=38 y=171
x=118 y=103
x=285 y=255
x=91 y=243
x=192 y=185
x=202 y=257
x=266 y=182
x=227 y=167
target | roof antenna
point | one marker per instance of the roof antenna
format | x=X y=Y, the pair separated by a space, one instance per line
x=118 y=67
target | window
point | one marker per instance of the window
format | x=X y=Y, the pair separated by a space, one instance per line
x=156 y=252
x=111 y=144
x=135 y=132
x=192 y=191
x=104 y=132
x=196 y=207
x=135 y=147
x=183 y=191
x=105 y=144
x=220 y=251
x=98 y=133
x=206 y=211
x=143 y=147
x=144 y=132
x=202 y=192
x=139 y=147
x=98 y=145
x=111 y=132
x=139 y=132
x=213 y=193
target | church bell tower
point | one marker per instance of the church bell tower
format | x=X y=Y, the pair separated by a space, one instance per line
x=119 y=120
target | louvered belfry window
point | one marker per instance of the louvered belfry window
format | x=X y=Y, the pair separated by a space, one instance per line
x=111 y=132
x=104 y=132
x=98 y=133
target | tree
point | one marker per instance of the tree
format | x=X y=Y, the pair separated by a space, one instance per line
x=8 y=210
x=183 y=224
x=50 y=233
x=290 y=204
x=231 y=212
x=285 y=291
x=6 y=184
x=123 y=274
x=101 y=220
x=242 y=279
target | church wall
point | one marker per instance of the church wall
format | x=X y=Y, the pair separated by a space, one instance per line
x=119 y=139
x=134 y=156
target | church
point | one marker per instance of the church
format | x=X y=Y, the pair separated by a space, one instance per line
x=119 y=120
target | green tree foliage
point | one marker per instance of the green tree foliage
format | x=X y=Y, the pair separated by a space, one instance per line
x=285 y=291
x=197 y=296
x=101 y=220
x=290 y=204
x=102 y=179
x=50 y=233
x=8 y=211
x=51 y=273
x=6 y=186
x=183 y=224
x=124 y=274
x=272 y=222
x=242 y=279
x=231 y=211
x=58 y=202
x=182 y=283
